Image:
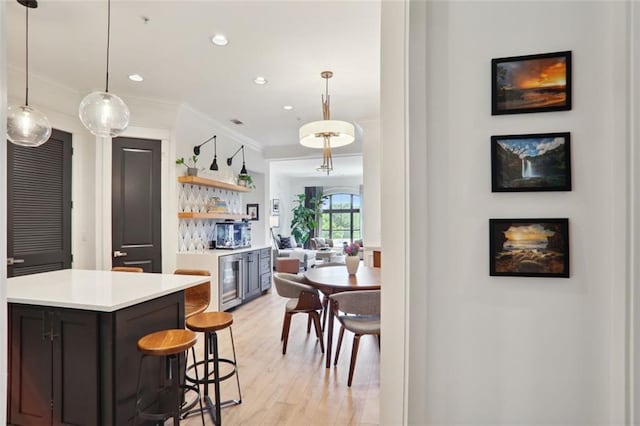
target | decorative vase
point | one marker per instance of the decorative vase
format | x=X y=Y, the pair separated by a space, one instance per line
x=352 y=264
x=192 y=171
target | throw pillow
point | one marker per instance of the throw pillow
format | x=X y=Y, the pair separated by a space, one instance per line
x=294 y=243
x=285 y=243
x=320 y=243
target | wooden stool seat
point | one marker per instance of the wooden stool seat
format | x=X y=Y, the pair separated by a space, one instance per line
x=167 y=342
x=209 y=321
x=127 y=269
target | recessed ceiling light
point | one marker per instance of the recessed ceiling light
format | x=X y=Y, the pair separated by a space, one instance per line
x=136 y=77
x=219 y=40
x=260 y=80
x=287 y=107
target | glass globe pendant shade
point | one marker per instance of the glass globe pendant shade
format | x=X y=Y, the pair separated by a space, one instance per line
x=104 y=114
x=27 y=126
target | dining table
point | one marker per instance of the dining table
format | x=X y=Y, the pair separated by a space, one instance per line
x=336 y=279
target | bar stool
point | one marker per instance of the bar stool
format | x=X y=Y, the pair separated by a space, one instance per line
x=209 y=323
x=126 y=269
x=169 y=344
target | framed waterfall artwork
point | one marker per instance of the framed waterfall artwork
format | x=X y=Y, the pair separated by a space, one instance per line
x=533 y=162
x=531 y=83
x=529 y=247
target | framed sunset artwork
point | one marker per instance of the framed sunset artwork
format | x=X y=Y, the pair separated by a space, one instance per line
x=531 y=83
x=529 y=247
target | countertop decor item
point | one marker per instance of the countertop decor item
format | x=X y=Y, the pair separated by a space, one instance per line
x=26 y=126
x=326 y=132
x=104 y=113
x=352 y=259
x=352 y=263
x=190 y=164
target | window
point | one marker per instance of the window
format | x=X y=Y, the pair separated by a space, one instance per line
x=341 y=218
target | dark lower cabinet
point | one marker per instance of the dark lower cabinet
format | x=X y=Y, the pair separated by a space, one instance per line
x=252 y=283
x=265 y=269
x=80 y=367
x=54 y=356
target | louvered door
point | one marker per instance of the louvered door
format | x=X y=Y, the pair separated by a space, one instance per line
x=39 y=206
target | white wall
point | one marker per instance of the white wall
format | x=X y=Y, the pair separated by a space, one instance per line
x=259 y=228
x=3 y=216
x=502 y=350
x=634 y=158
x=371 y=165
x=394 y=226
x=281 y=188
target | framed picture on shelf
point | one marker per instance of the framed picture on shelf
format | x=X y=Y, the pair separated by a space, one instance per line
x=531 y=83
x=253 y=211
x=529 y=247
x=275 y=206
x=533 y=162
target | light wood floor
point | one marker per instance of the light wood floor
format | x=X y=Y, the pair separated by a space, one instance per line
x=296 y=388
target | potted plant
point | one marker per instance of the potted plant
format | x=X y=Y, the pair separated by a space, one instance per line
x=305 y=219
x=352 y=258
x=190 y=164
x=246 y=180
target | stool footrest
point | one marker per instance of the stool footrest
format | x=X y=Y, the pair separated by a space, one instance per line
x=205 y=380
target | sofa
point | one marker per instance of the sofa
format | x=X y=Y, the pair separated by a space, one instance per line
x=286 y=246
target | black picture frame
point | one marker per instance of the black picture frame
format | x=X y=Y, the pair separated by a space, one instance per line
x=531 y=162
x=537 y=247
x=253 y=211
x=531 y=83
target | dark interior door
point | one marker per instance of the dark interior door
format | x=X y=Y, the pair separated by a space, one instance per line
x=39 y=206
x=136 y=196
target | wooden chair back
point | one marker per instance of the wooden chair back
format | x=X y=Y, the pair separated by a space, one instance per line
x=197 y=298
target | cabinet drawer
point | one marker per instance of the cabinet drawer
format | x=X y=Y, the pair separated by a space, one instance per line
x=265 y=281
x=265 y=253
x=265 y=265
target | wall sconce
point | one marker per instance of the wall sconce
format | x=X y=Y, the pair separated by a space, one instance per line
x=196 y=151
x=243 y=171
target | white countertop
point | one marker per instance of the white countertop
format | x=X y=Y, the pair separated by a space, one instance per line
x=224 y=252
x=103 y=291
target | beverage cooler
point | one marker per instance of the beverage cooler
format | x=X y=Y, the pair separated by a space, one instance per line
x=231 y=280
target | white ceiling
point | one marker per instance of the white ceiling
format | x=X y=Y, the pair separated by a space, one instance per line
x=343 y=167
x=287 y=42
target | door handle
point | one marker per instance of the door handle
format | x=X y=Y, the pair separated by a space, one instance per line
x=119 y=253
x=12 y=261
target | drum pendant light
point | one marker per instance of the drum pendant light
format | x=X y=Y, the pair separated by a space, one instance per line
x=26 y=126
x=326 y=133
x=104 y=113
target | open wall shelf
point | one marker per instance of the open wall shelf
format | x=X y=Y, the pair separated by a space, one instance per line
x=196 y=180
x=218 y=216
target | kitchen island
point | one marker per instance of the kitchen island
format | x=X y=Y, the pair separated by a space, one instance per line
x=73 y=357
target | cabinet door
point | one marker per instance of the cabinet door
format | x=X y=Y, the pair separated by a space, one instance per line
x=265 y=281
x=30 y=369
x=75 y=375
x=252 y=284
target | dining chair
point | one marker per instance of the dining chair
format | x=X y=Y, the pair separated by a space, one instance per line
x=196 y=298
x=361 y=316
x=127 y=269
x=303 y=299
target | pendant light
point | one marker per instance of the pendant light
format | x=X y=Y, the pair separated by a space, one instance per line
x=26 y=126
x=326 y=133
x=104 y=113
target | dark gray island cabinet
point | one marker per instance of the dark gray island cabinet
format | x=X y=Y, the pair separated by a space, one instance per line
x=73 y=335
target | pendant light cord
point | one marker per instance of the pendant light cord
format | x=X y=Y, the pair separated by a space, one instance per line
x=108 y=41
x=26 y=72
